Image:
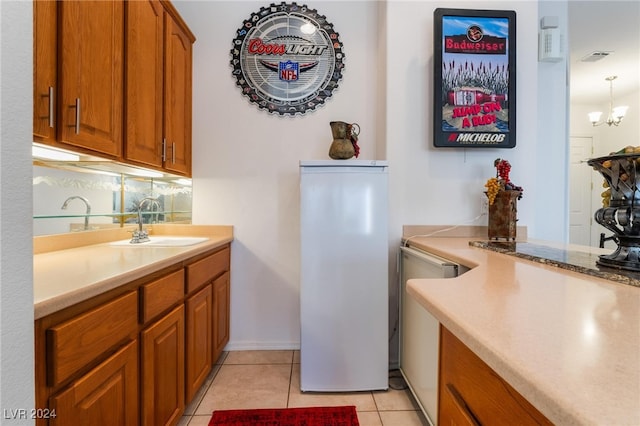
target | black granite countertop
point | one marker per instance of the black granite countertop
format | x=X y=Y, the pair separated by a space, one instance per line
x=572 y=260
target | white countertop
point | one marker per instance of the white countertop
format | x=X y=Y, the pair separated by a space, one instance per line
x=568 y=342
x=62 y=278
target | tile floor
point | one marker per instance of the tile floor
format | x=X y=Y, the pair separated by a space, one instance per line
x=271 y=379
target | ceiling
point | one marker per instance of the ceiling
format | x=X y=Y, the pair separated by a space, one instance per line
x=612 y=26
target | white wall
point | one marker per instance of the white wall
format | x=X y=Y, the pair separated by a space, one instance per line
x=444 y=186
x=245 y=162
x=16 y=270
x=551 y=170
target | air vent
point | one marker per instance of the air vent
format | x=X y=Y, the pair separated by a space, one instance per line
x=596 y=56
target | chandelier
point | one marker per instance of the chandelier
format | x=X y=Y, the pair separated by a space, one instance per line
x=616 y=114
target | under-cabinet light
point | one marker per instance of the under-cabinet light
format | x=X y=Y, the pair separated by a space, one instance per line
x=104 y=172
x=53 y=154
x=185 y=182
x=145 y=173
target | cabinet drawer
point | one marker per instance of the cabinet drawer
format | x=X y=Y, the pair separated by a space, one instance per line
x=83 y=339
x=161 y=294
x=204 y=270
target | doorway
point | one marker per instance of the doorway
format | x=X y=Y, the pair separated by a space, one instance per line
x=580 y=192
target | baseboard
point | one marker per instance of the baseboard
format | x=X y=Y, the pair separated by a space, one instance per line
x=262 y=346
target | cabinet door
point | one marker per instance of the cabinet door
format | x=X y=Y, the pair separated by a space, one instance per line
x=44 y=70
x=91 y=78
x=453 y=410
x=107 y=395
x=199 y=336
x=221 y=310
x=488 y=399
x=163 y=370
x=144 y=74
x=177 y=98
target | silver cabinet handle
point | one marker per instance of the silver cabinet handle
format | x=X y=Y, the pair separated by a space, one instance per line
x=173 y=153
x=77 y=125
x=51 y=123
x=164 y=149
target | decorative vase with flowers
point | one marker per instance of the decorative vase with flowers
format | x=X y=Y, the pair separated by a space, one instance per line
x=503 y=196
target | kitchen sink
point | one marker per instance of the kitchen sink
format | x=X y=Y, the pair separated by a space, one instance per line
x=162 y=241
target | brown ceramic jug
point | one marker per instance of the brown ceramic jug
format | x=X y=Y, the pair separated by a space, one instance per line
x=342 y=147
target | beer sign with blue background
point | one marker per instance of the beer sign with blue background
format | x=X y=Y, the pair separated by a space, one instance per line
x=474 y=86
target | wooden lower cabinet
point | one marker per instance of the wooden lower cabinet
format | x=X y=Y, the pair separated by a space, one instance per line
x=453 y=409
x=221 y=306
x=138 y=354
x=162 y=364
x=199 y=337
x=105 y=396
x=471 y=393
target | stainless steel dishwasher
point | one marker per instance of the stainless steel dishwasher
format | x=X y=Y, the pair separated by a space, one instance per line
x=419 y=330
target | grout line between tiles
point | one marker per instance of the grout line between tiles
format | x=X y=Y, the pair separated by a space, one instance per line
x=290 y=382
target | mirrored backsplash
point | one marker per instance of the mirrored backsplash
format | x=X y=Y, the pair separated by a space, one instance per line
x=66 y=200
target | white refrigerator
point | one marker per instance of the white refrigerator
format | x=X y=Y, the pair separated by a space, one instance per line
x=344 y=294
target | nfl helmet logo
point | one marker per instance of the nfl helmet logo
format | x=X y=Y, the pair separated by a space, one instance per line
x=288 y=71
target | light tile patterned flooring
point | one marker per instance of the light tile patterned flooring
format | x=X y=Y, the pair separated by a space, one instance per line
x=271 y=379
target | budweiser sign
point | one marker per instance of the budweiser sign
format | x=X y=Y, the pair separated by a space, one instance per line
x=474 y=90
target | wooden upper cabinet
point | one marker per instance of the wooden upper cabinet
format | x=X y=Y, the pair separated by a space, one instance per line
x=113 y=90
x=144 y=82
x=177 y=96
x=91 y=36
x=158 y=87
x=45 y=37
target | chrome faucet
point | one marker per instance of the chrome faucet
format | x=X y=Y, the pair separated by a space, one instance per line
x=88 y=210
x=155 y=208
x=140 y=235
